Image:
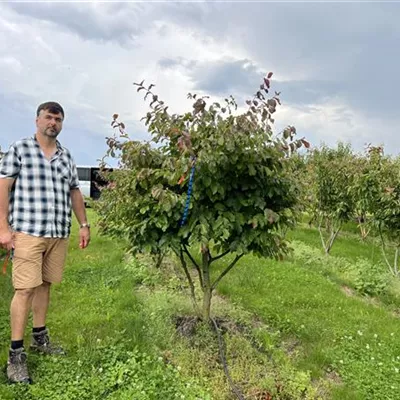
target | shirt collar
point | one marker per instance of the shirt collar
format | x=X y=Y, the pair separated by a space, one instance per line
x=58 y=144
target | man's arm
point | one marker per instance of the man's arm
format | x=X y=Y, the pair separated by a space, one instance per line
x=78 y=205
x=5 y=230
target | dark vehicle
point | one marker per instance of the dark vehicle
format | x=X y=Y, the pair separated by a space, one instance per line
x=91 y=180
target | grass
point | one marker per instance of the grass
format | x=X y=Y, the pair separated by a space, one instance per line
x=97 y=317
x=334 y=332
x=347 y=244
x=298 y=329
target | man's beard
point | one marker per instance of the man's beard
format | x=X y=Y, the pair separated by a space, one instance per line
x=51 y=132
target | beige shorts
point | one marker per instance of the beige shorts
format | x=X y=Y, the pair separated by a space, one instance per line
x=37 y=259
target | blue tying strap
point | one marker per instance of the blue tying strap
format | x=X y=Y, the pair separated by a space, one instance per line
x=189 y=193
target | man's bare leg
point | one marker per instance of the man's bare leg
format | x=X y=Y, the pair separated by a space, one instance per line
x=40 y=304
x=19 y=310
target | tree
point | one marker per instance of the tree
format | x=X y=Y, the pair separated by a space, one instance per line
x=366 y=187
x=304 y=173
x=387 y=212
x=333 y=171
x=211 y=178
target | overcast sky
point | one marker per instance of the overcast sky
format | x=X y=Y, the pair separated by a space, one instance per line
x=337 y=65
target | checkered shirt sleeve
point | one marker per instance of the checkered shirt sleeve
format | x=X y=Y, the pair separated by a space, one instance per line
x=10 y=164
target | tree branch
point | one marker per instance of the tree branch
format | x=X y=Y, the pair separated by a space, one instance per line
x=227 y=269
x=191 y=284
x=195 y=264
x=219 y=256
x=333 y=237
x=384 y=252
x=322 y=237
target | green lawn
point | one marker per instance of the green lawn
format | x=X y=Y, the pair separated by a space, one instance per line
x=115 y=316
x=336 y=332
x=95 y=314
x=346 y=245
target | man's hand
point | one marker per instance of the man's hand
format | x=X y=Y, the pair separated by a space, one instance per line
x=84 y=237
x=6 y=239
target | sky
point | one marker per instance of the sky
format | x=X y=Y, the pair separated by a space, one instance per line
x=336 y=64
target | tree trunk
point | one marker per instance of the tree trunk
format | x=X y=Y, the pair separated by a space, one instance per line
x=207 y=290
x=364 y=230
x=333 y=231
x=207 y=304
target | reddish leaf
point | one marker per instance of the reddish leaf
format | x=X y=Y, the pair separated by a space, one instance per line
x=176 y=131
x=181 y=180
x=306 y=144
x=267 y=83
x=265 y=114
x=270 y=75
x=115 y=116
x=181 y=143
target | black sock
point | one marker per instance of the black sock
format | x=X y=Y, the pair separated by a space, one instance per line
x=37 y=330
x=17 y=344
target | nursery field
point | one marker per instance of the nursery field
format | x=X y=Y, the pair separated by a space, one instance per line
x=312 y=326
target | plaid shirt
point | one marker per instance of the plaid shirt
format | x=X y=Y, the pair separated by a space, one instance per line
x=40 y=200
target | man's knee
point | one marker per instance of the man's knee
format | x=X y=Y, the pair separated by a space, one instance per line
x=25 y=293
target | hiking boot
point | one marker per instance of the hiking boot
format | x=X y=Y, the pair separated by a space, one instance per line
x=17 y=368
x=41 y=343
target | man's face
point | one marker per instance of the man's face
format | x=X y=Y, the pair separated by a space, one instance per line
x=49 y=124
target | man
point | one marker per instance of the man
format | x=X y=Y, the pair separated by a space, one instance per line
x=38 y=186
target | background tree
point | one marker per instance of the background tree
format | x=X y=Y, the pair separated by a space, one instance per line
x=333 y=174
x=213 y=178
x=366 y=187
x=387 y=212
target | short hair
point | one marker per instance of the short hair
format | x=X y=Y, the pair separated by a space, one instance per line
x=52 y=107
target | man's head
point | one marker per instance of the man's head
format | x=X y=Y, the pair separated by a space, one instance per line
x=49 y=119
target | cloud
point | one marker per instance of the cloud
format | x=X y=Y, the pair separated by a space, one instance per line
x=227 y=76
x=334 y=48
x=335 y=64
x=92 y=79
x=91 y=21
